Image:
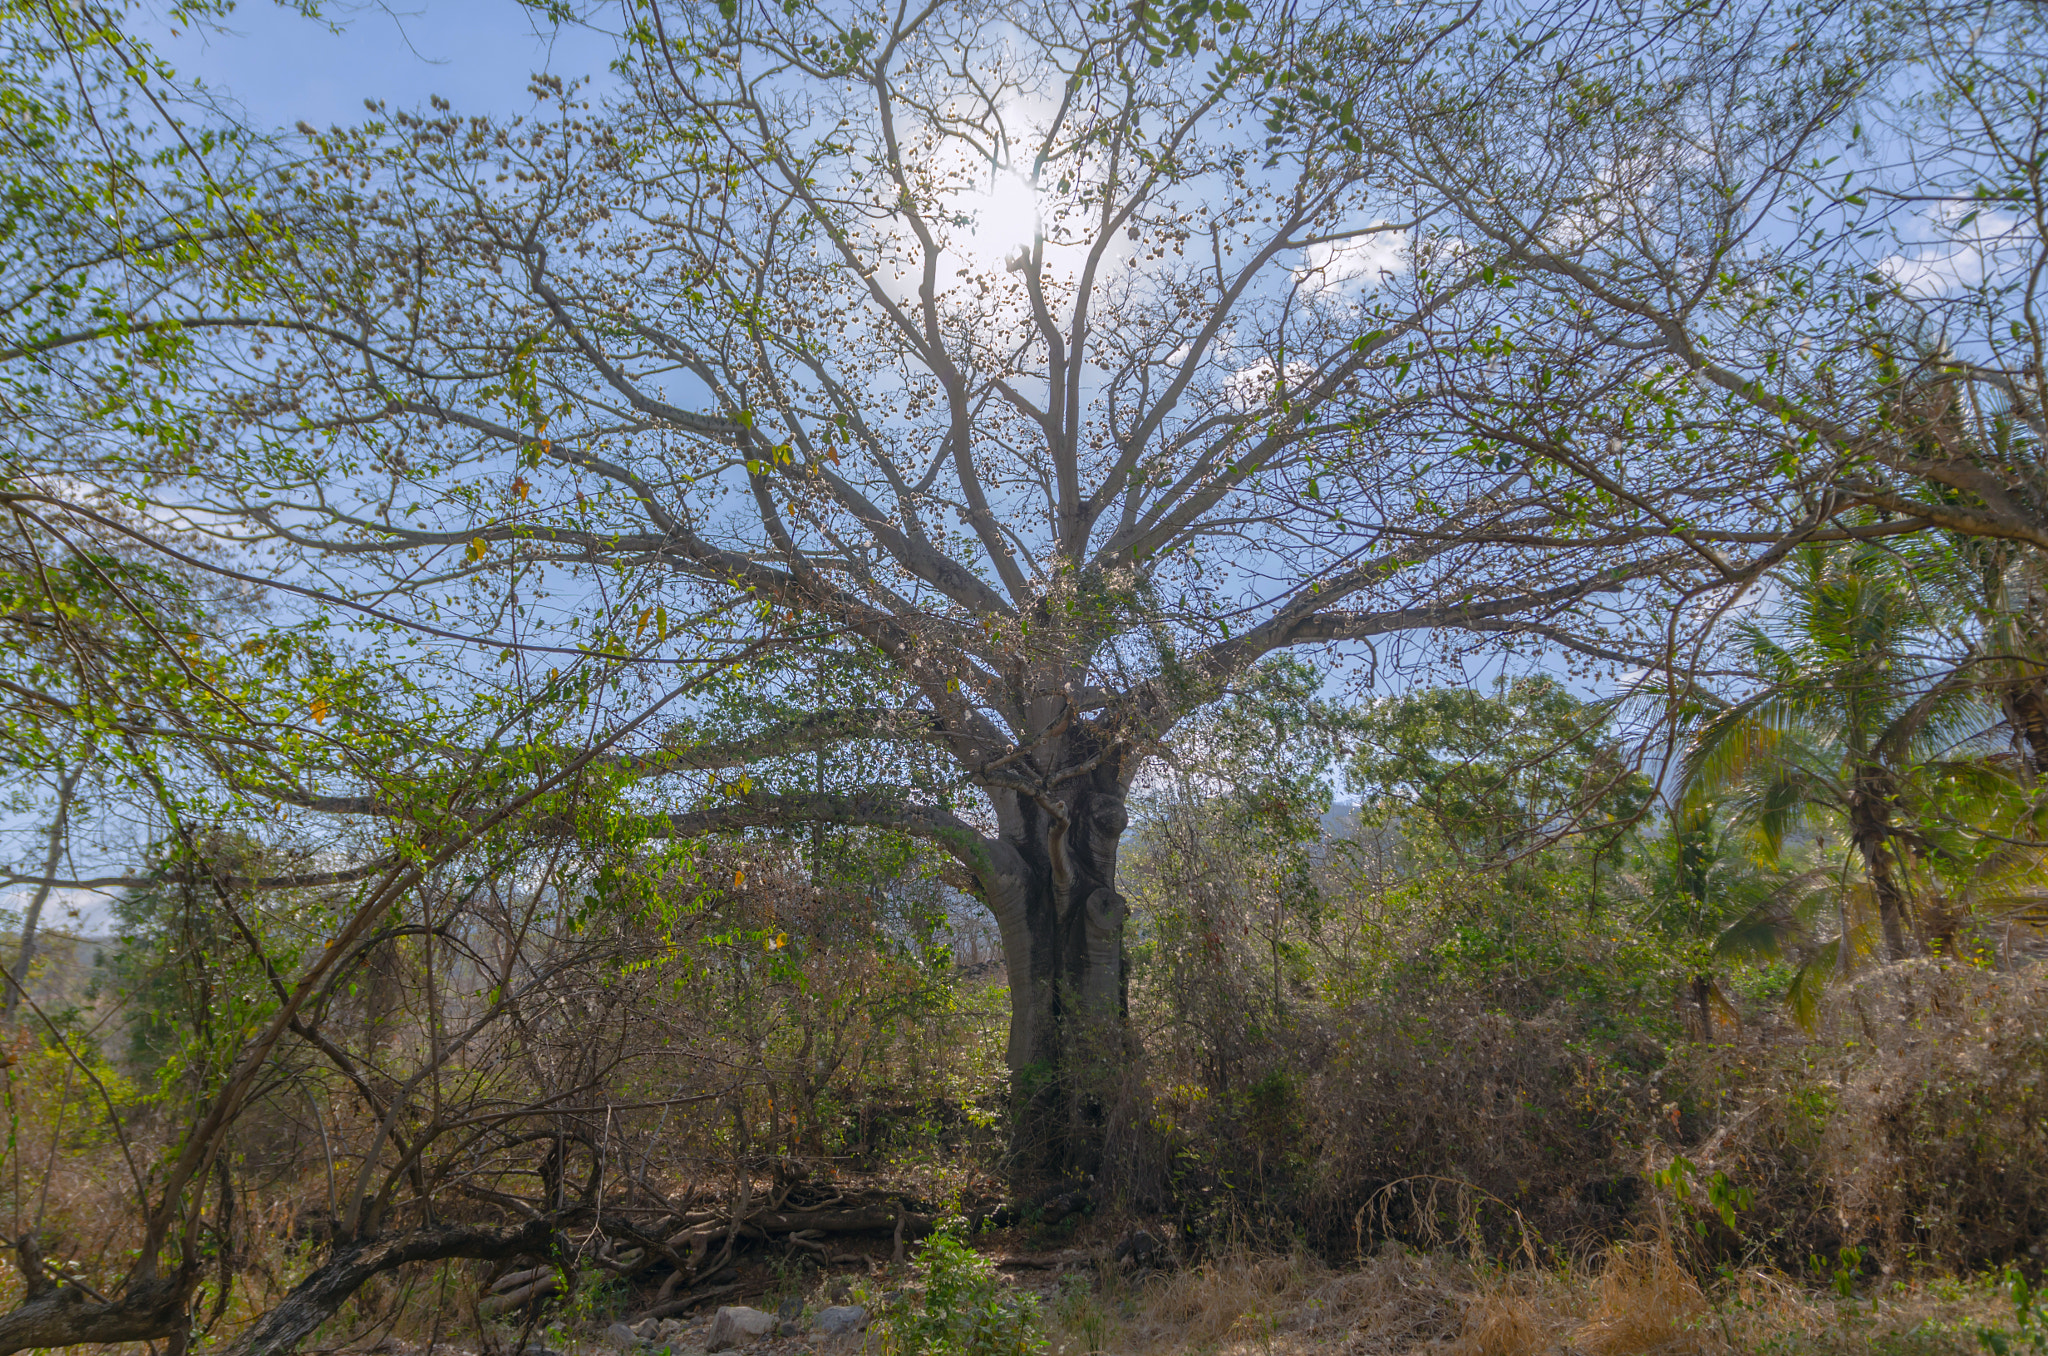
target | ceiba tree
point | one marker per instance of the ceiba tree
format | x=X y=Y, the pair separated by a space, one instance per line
x=1057 y=363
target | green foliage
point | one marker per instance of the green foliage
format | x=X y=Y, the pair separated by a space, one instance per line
x=1690 y=1186
x=123 y=199
x=963 y=1308
x=1263 y=754
x=183 y=979
x=1488 y=776
x=1853 y=703
x=2029 y=1317
x=1864 y=725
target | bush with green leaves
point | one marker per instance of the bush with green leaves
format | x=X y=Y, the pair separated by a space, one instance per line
x=964 y=1309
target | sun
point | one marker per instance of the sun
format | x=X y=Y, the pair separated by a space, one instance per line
x=994 y=219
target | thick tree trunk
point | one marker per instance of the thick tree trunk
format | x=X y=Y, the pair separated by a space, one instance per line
x=1054 y=896
x=59 y=1314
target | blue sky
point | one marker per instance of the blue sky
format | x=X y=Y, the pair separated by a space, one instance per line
x=282 y=67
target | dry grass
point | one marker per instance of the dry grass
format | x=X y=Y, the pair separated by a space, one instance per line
x=1637 y=1300
x=1645 y=1301
x=1250 y=1303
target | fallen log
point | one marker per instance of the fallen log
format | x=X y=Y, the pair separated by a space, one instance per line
x=517 y=1279
x=1073 y=1257
x=510 y=1300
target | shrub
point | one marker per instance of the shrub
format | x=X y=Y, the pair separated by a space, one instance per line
x=964 y=1309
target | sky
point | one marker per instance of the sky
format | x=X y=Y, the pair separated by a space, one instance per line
x=282 y=67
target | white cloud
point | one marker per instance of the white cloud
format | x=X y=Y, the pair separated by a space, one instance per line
x=1964 y=252
x=1374 y=256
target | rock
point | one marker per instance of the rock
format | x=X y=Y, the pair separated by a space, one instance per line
x=841 y=1318
x=672 y=1328
x=1141 y=1247
x=736 y=1324
x=1065 y=1204
x=623 y=1337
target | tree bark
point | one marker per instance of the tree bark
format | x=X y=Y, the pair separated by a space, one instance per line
x=2026 y=706
x=318 y=1297
x=1870 y=830
x=62 y=1315
x=31 y=921
x=1055 y=898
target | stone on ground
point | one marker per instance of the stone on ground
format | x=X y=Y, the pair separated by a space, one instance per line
x=735 y=1325
x=841 y=1318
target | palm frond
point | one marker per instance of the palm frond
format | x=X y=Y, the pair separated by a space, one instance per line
x=1809 y=982
x=1772 y=926
x=1781 y=803
x=1753 y=733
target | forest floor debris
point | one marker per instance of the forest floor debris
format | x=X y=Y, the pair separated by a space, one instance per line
x=1634 y=1300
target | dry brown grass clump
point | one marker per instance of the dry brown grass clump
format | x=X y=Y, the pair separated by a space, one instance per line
x=1241 y=1301
x=1645 y=1301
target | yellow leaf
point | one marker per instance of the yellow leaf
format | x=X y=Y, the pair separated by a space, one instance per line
x=319 y=709
x=520 y=489
x=478 y=549
x=640 y=623
x=739 y=878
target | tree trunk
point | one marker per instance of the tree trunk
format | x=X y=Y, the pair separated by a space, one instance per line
x=1054 y=895
x=2026 y=706
x=318 y=1297
x=1870 y=830
x=59 y=1314
x=31 y=921
x=62 y=1316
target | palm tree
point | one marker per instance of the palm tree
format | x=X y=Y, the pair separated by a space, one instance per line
x=1851 y=713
